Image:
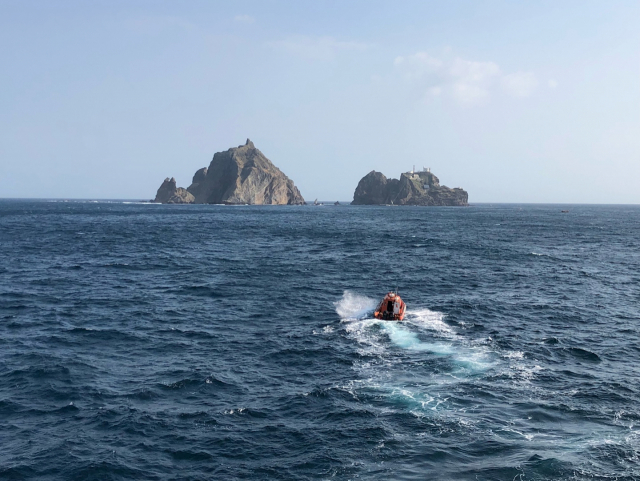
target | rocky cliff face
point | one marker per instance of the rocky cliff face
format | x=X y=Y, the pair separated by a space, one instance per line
x=169 y=193
x=420 y=188
x=241 y=175
x=197 y=182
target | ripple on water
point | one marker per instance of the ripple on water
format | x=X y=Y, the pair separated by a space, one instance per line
x=203 y=342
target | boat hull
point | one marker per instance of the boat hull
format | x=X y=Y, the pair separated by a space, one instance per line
x=391 y=308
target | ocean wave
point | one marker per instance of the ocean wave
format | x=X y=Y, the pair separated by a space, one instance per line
x=216 y=345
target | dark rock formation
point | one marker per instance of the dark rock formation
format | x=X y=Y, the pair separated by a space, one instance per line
x=168 y=193
x=196 y=183
x=241 y=175
x=413 y=188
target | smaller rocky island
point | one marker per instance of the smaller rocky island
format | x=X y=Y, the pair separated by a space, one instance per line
x=240 y=175
x=413 y=188
x=170 y=193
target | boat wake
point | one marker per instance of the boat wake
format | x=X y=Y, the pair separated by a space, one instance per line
x=412 y=363
x=422 y=330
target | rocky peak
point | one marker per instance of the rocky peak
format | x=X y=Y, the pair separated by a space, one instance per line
x=372 y=188
x=243 y=175
x=240 y=175
x=169 y=193
x=166 y=190
x=200 y=175
x=198 y=179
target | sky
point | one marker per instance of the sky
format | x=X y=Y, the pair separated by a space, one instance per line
x=533 y=101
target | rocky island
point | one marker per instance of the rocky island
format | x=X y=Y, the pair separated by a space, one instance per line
x=240 y=175
x=413 y=188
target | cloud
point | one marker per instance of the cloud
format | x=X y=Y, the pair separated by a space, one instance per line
x=474 y=72
x=520 y=84
x=468 y=82
x=469 y=94
x=244 y=19
x=472 y=80
x=418 y=65
x=316 y=48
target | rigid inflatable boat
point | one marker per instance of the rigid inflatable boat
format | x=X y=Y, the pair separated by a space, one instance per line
x=391 y=308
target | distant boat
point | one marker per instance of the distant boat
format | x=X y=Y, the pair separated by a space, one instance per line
x=315 y=202
x=337 y=202
x=564 y=211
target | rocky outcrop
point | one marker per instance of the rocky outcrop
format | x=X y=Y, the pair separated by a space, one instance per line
x=169 y=193
x=413 y=188
x=243 y=175
x=197 y=182
x=240 y=175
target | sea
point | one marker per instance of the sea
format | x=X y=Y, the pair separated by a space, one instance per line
x=206 y=342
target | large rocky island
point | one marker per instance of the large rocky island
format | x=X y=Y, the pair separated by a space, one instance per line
x=413 y=188
x=240 y=175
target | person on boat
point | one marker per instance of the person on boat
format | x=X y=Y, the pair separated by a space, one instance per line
x=396 y=308
x=391 y=307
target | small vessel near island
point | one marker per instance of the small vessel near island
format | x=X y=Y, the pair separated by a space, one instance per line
x=391 y=308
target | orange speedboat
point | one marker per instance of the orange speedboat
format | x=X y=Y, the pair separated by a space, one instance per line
x=391 y=308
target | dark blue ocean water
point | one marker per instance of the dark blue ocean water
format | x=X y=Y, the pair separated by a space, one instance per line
x=213 y=342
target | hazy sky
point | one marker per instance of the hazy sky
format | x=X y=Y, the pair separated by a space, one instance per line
x=514 y=101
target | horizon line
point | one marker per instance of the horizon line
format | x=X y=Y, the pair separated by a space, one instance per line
x=145 y=201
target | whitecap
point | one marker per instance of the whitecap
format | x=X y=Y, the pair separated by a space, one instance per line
x=324 y=330
x=514 y=355
x=354 y=306
x=432 y=320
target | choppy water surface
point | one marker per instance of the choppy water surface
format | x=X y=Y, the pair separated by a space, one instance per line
x=209 y=342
